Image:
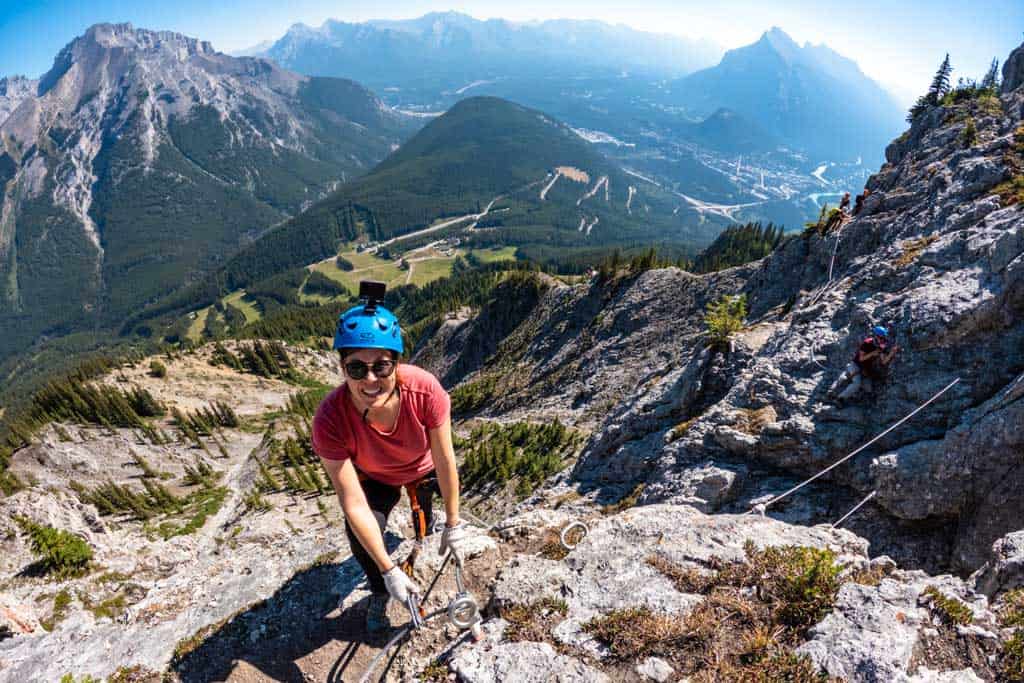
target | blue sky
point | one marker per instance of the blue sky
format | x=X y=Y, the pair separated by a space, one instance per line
x=898 y=44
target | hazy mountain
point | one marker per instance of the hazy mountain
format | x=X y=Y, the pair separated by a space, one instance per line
x=144 y=158
x=727 y=131
x=812 y=98
x=448 y=51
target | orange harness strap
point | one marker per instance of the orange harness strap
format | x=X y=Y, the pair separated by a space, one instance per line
x=419 y=523
x=419 y=518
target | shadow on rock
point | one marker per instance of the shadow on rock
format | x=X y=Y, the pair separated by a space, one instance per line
x=296 y=630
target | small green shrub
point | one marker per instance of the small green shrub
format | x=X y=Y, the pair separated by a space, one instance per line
x=254 y=501
x=61 y=602
x=1011 y=191
x=969 y=135
x=1012 y=613
x=802 y=581
x=723 y=318
x=533 y=622
x=434 y=672
x=110 y=608
x=59 y=553
x=949 y=609
x=637 y=632
x=912 y=248
x=157 y=369
x=1013 y=657
x=990 y=104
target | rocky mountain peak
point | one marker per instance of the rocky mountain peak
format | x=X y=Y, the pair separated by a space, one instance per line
x=127 y=36
x=1013 y=70
x=780 y=41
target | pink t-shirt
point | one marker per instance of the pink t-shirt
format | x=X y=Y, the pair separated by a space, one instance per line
x=396 y=458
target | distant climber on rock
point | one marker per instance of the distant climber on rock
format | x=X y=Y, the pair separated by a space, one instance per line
x=844 y=204
x=858 y=204
x=387 y=427
x=870 y=364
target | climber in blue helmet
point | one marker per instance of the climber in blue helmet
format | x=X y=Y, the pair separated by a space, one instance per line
x=870 y=365
x=387 y=427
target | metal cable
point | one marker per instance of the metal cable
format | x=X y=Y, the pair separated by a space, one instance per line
x=856 y=507
x=762 y=507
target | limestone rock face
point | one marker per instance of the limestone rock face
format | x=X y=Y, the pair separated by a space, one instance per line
x=1013 y=70
x=526 y=662
x=1004 y=570
x=873 y=633
x=936 y=254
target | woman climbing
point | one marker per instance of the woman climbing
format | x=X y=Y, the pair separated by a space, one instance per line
x=387 y=427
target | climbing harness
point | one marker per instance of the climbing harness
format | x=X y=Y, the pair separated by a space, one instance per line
x=419 y=523
x=763 y=507
x=856 y=507
x=564 y=536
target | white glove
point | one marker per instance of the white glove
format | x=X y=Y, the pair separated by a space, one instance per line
x=399 y=584
x=453 y=539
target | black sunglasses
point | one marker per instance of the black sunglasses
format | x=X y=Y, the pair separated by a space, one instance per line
x=357 y=369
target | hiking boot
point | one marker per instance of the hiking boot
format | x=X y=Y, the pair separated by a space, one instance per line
x=377 y=613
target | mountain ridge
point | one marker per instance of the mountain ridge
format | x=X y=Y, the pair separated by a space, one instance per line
x=132 y=130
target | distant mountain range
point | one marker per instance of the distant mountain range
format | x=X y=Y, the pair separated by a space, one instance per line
x=809 y=97
x=448 y=51
x=142 y=159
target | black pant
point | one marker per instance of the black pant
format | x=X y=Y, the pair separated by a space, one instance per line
x=382 y=498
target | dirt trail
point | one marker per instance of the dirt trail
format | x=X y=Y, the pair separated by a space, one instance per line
x=603 y=180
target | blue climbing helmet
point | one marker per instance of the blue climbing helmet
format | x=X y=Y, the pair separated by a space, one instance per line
x=369 y=325
x=880 y=331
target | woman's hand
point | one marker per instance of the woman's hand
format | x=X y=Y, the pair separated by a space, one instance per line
x=453 y=539
x=399 y=584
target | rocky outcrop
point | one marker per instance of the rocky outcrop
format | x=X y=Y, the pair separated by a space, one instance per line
x=1004 y=570
x=1013 y=70
x=875 y=631
x=937 y=254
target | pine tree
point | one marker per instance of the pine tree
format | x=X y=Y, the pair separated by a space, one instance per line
x=991 y=80
x=938 y=89
x=940 y=84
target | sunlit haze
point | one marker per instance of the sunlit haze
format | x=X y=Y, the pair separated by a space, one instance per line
x=897 y=44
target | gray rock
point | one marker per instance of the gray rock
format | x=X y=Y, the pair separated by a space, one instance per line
x=870 y=634
x=608 y=570
x=706 y=486
x=1013 y=70
x=1004 y=570
x=926 y=675
x=523 y=662
x=655 y=669
x=528 y=578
